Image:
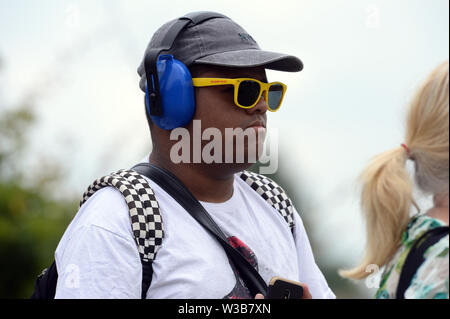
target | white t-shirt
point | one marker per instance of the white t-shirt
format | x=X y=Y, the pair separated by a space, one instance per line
x=97 y=256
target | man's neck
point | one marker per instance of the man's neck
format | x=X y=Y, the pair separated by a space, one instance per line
x=204 y=183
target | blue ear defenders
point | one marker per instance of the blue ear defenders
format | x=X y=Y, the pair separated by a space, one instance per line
x=176 y=94
x=169 y=93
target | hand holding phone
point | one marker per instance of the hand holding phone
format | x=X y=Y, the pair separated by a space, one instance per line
x=280 y=288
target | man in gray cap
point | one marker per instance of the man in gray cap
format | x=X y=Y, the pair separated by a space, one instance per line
x=224 y=71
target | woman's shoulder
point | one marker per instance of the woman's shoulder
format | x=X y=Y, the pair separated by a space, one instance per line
x=432 y=276
x=418 y=226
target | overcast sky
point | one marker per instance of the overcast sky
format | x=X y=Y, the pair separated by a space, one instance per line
x=363 y=60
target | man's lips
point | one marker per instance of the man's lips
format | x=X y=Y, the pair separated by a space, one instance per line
x=257 y=124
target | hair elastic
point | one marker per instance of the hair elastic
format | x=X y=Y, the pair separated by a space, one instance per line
x=408 y=151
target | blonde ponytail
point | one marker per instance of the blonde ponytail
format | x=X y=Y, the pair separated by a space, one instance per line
x=386 y=200
x=387 y=189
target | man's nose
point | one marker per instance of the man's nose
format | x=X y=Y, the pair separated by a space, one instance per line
x=260 y=107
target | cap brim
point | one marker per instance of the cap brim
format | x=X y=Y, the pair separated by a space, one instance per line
x=253 y=58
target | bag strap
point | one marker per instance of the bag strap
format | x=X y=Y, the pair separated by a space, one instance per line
x=146 y=221
x=45 y=284
x=273 y=194
x=415 y=257
x=174 y=187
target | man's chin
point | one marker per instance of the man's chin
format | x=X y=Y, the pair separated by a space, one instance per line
x=226 y=169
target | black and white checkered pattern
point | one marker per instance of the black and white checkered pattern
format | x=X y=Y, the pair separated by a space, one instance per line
x=272 y=193
x=146 y=221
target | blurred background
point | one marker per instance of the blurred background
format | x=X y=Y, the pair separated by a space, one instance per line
x=71 y=109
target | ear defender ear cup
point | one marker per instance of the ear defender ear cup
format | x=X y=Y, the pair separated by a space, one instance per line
x=177 y=94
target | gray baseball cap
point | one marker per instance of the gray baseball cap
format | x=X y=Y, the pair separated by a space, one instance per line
x=219 y=42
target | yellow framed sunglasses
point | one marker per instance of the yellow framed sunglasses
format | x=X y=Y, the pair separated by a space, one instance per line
x=247 y=92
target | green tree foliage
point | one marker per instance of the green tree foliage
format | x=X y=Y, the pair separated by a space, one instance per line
x=31 y=223
x=30 y=228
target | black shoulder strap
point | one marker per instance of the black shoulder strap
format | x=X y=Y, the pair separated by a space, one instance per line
x=174 y=187
x=45 y=284
x=415 y=257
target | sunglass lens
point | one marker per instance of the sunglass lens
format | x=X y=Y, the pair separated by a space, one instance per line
x=248 y=93
x=275 y=96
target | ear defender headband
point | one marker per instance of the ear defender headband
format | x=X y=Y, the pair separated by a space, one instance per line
x=169 y=93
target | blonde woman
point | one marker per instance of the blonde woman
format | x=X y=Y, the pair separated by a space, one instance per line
x=414 y=250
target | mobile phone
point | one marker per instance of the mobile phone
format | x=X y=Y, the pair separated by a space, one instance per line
x=281 y=288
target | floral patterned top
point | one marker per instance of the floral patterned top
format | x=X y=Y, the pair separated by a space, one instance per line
x=431 y=280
